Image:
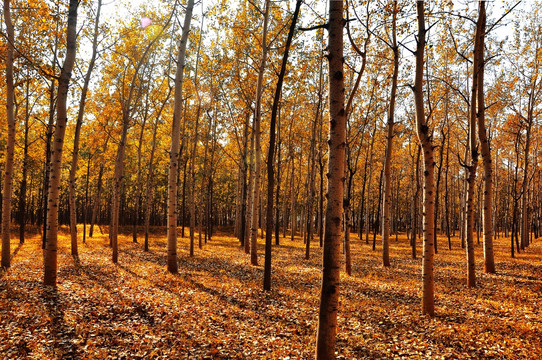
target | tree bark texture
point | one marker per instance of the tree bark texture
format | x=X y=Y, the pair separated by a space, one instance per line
x=386 y=224
x=78 y=124
x=424 y=136
x=329 y=297
x=50 y=261
x=271 y=153
x=257 y=144
x=489 y=261
x=7 y=187
x=173 y=173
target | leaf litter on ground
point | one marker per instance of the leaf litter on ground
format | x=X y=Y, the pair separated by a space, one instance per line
x=215 y=307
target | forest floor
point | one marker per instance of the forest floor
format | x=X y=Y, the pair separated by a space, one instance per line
x=216 y=309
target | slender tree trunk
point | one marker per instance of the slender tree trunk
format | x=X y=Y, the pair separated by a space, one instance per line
x=515 y=198
x=50 y=261
x=329 y=298
x=172 y=264
x=437 y=189
x=474 y=109
x=271 y=153
x=24 y=175
x=238 y=197
x=117 y=187
x=139 y=175
x=386 y=225
x=363 y=222
x=321 y=203
x=49 y=135
x=250 y=188
x=424 y=136
x=293 y=219
x=311 y=189
x=98 y=195
x=513 y=234
x=85 y=209
x=257 y=145
x=489 y=262
x=524 y=230
x=447 y=195
x=279 y=179
x=260 y=212
x=369 y=188
x=78 y=124
x=376 y=223
x=244 y=187
x=192 y=183
x=149 y=189
x=471 y=275
x=183 y=205
x=10 y=149
x=203 y=195
x=415 y=211
x=462 y=212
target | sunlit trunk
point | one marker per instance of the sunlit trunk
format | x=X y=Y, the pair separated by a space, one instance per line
x=50 y=261
x=257 y=144
x=424 y=136
x=10 y=148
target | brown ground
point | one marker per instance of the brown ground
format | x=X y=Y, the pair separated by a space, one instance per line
x=215 y=308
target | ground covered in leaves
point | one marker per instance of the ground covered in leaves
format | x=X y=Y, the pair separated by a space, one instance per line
x=215 y=308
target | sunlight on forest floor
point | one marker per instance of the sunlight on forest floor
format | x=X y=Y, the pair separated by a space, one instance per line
x=215 y=308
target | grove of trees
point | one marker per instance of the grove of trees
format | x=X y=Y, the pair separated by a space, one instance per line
x=325 y=121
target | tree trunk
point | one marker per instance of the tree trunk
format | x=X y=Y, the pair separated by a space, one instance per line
x=10 y=149
x=183 y=205
x=50 y=261
x=49 y=135
x=279 y=178
x=329 y=297
x=150 y=175
x=415 y=211
x=524 y=231
x=389 y=145
x=203 y=195
x=489 y=262
x=139 y=176
x=376 y=222
x=175 y=155
x=475 y=107
x=98 y=195
x=424 y=136
x=24 y=176
x=369 y=188
x=192 y=183
x=250 y=188
x=78 y=124
x=271 y=153
x=117 y=186
x=447 y=194
x=321 y=202
x=257 y=146
x=311 y=189
x=244 y=187
x=85 y=209
x=439 y=176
